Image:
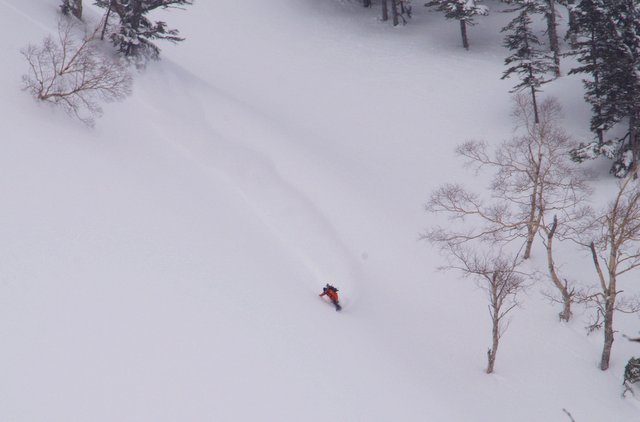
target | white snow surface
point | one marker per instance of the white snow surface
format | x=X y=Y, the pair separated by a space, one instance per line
x=166 y=265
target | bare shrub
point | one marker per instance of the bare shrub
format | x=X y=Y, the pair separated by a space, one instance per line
x=73 y=74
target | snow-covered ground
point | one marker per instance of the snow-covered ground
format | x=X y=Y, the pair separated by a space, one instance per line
x=165 y=265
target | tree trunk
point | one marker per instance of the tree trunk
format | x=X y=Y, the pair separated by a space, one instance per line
x=537 y=203
x=494 y=311
x=385 y=11
x=535 y=216
x=532 y=229
x=552 y=31
x=134 y=23
x=573 y=38
x=596 y=83
x=366 y=3
x=610 y=302
x=567 y=299
x=106 y=20
x=463 y=31
x=394 y=12
x=495 y=336
x=634 y=143
x=534 y=101
x=566 y=304
x=609 y=293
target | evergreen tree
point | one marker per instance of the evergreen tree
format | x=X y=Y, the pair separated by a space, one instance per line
x=73 y=7
x=609 y=51
x=632 y=371
x=136 y=32
x=623 y=82
x=548 y=9
x=551 y=15
x=463 y=11
x=593 y=33
x=527 y=60
x=571 y=9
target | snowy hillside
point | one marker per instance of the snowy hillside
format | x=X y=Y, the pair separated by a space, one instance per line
x=166 y=264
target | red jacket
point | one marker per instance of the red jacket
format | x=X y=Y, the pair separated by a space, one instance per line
x=333 y=295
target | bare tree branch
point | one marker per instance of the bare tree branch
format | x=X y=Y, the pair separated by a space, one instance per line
x=74 y=75
x=536 y=191
x=533 y=177
x=569 y=415
x=617 y=244
x=502 y=282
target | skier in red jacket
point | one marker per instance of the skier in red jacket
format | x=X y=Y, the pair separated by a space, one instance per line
x=332 y=293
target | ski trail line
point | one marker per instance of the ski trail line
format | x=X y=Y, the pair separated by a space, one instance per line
x=26 y=16
x=295 y=220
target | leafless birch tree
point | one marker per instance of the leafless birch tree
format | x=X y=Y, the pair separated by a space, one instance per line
x=536 y=190
x=616 y=251
x=567 y=291
x=73 y=74
x=576 y=222
x=533 y=178
x=497 y=276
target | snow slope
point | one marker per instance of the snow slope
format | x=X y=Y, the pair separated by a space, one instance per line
x=165 y=265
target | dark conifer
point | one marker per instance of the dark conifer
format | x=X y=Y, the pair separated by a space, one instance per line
x=136 y=32
x=463 y=11
x=549 y=10
x=593 y=33
x=72 y=7
x=610 y=53
x=528 y=61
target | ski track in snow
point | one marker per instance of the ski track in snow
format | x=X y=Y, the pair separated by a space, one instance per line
x=291 y=216
x=26 y=16
x=228 y=140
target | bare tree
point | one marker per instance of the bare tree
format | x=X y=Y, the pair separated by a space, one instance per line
x=533 y=178
x=73 y=74
x=497 y=276
x=567 y=292
x=577 y=220
x=617 y=246
x=536 y=190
